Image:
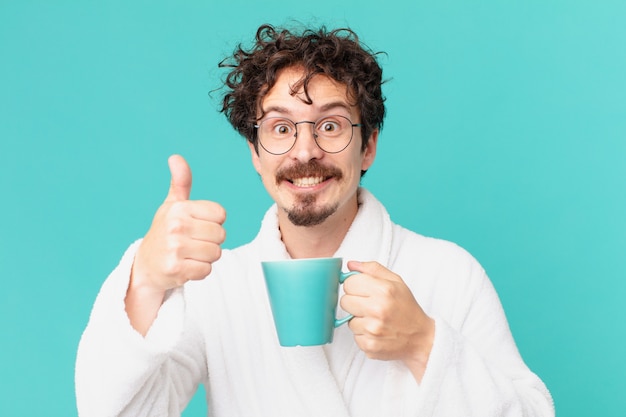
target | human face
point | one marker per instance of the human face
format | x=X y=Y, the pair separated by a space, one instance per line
x=309 y=185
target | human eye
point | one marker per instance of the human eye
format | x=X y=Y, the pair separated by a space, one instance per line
x=330 y=126
x=280 y=128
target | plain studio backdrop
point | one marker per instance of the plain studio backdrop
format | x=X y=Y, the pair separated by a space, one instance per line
x=506 y=133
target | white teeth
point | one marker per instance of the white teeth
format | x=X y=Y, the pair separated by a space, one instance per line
x=307 y=182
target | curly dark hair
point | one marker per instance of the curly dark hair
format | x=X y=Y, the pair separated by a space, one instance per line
x=337 y=54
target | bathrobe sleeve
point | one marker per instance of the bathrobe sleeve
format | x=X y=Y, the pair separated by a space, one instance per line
x=486 y=378
x=121 y=373
x=474 y=368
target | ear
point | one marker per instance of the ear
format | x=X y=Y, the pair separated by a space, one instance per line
x=255 y=158
x=369 y=154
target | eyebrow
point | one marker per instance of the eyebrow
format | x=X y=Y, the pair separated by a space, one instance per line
x=277 y=109
x=324 y=108
x=335 y=104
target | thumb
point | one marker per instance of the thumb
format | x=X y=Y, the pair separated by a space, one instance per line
x=180 y=185
x=373 y=269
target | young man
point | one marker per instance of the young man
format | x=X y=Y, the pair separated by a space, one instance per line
x=428 y=337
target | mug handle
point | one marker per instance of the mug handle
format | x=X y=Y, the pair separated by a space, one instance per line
x=342 y=278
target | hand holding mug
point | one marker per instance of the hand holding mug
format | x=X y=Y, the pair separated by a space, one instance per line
x=388 y=322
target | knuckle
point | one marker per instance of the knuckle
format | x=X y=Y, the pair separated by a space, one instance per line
x=217 y=252
x=175 y=225
x=172 y=267
x=348 y=285
x=343 y=303
x=220 y=235
x=216 y=212
x=371 y=348
x=380 y=312
x=375 y=328
x=221 y=214
x=174 y=248
x=376 y=266
x=387 y=289
x=180 y=281
x=169 y=209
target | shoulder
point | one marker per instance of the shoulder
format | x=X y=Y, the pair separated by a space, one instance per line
x=444 y=277
x=437 y=250
x=438 y=262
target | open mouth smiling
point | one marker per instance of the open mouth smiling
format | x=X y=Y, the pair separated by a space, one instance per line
x=308 y=181
x=308 y=175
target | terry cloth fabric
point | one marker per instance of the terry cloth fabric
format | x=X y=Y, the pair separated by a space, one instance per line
x=219 y=332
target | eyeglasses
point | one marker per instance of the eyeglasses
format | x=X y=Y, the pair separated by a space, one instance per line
x=333 y=134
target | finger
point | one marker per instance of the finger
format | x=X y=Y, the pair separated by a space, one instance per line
x=354 y=304
x=357 y=325
x=360 y=285
x=207 y=210
x=180 y=184
x=201 y=251
x=207 y=231
x=194 y=270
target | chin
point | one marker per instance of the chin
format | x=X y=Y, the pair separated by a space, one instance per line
x=307 y=217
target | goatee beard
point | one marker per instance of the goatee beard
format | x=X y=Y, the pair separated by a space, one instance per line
x=305 y=214
x=304 y=211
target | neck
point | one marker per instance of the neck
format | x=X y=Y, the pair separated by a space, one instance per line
x=319 y=241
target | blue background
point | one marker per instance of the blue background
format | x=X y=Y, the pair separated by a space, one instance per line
x=506 y=133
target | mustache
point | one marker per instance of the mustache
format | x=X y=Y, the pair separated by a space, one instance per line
x=310 y=169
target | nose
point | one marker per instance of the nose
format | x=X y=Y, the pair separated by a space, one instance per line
x=305 y=148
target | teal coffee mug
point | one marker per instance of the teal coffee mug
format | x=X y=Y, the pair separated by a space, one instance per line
x=303 y=295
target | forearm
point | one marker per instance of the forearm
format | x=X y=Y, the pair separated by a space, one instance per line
x=142 y=304
x=417 y=361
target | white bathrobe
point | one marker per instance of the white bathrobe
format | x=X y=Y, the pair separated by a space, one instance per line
x=219 y=332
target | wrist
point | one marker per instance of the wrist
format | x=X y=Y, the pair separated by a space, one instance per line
x=418 y=359
x=142 y=302
x=141 y=283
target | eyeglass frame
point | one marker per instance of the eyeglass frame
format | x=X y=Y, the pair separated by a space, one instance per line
x=315 y=136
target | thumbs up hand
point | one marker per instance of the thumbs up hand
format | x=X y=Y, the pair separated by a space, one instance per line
x=181 y=244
